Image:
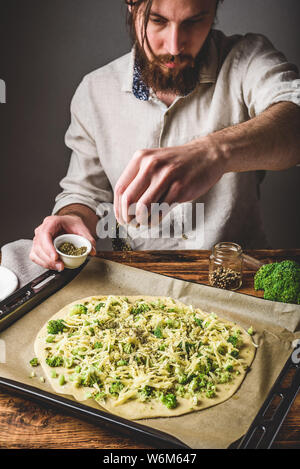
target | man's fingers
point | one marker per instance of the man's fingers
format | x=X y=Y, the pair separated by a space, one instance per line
x=72 y=225
x=44 y=262
x=175 y=193
x=37 y=260
x=132 y=195
x=123 y=182
x=45 y=242
x=43 y=251
x=39 y=256
x=155 y=194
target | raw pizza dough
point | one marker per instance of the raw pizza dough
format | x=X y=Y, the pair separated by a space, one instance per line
x=132 y=327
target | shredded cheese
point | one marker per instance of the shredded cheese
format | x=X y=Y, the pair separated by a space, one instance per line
x=145 y=350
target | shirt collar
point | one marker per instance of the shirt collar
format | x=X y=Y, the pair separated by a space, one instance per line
x=134 y=84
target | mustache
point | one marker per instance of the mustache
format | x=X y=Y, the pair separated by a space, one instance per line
x=176 y=59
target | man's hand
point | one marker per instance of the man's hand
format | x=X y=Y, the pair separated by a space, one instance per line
x=43 y=251
x=269 y=141
x=167 y=175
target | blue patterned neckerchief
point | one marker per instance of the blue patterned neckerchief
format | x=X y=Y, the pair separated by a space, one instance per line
x=139 y=89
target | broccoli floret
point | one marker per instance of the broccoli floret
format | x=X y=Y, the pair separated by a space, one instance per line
x=189 y=347
x=146 y=393
x=116 y=387
x=205 y=368
x=148 y=390
x=98 y=345
x=122 y=363
x=280 y=281
x=234 y=339
x=140 y=360
x=180 y=389
x=128 y=348
x=182 y=378
x=229 y=368
x=78 y=309
x=199 y=322
x=225 y=377
x=69 y=362
x=55 y=361
x=262 y=274
x=235 y=353
x=100 y=396
x=89 y=378
x=157 y=332
x=139 y=308
x=169 y=400
x=170 y=368
x=50 y=339
x=222 y=350
x=54 y=327
x=170 y=323
x=99 y=306
x=34 y=362
x=210 y=391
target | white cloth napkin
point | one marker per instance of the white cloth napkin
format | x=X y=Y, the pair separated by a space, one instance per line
x=15 y=257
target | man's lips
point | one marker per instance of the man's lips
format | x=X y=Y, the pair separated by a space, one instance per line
x=171 y=65
x=177 y=64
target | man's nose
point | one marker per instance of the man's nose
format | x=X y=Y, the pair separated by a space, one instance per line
x=175 y=41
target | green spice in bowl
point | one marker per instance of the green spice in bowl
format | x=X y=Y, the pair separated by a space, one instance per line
x=72 y=249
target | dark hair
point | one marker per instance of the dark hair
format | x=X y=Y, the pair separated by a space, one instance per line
x=131 y=16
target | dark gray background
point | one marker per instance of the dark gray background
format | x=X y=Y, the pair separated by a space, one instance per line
x=47 y=46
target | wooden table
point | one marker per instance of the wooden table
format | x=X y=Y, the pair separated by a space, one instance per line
x=24 y=424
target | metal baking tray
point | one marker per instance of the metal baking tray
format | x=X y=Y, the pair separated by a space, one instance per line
x=260 y=435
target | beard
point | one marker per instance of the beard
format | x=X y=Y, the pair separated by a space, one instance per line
x=179 y=80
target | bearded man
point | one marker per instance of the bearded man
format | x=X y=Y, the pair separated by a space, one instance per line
x=188 y=116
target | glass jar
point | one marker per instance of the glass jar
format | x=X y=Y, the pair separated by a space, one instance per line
x=226 y=266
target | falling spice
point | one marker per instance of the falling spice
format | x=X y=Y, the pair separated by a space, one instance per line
x=71 y=250
x=226 y=278
x=118 y=243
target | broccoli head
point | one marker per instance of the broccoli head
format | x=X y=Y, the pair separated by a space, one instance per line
x=158 y=333
x=198 y=383
x=146 y=393
x=169 y=400
x=89 y=378
x=54 y=327
x=235 y=339
x=78 y=309
x=99 y=306
x=139 y=308
x=210 y=391
x=280 y=281
x=34 y=362
x=264 y=272
x=55 y=361
x=116 y=387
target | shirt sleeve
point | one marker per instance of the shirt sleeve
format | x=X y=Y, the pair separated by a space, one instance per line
x=86 y=182
x=268 y=77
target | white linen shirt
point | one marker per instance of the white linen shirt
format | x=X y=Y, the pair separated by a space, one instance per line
x=244 y=75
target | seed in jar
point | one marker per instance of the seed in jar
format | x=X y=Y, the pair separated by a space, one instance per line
x=225 y=278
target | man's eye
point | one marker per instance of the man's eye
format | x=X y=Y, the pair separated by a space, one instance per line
x=157 y=21
x=191 y=22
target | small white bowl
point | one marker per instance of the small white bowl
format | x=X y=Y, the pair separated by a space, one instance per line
x=72 y=262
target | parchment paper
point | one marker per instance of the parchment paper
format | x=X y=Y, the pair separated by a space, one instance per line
x=276 y=325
